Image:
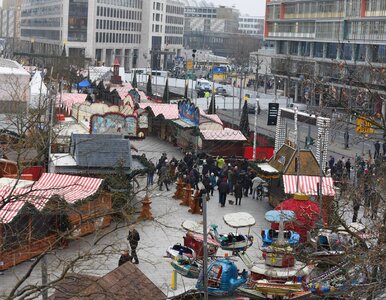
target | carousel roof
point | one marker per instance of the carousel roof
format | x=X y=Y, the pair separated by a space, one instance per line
x=240 y=219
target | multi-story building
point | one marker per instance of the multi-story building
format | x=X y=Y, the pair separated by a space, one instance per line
x=9 y=26
x=210 y=28
x=341 y=44
x=252 y=25
x=163 y=22
x=101 y=30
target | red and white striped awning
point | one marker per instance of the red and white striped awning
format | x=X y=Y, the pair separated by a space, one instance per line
x=71 y=188
x=308 y=185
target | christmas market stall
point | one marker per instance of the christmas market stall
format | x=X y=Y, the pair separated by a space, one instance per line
x=289 y=161
x=36 y=216
x=226 y=142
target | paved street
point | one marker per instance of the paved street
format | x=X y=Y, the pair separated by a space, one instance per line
x=156 y=236
x=227 y=109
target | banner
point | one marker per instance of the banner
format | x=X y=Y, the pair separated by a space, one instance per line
x=114 y=123
x=188 y=112
x=273 y=111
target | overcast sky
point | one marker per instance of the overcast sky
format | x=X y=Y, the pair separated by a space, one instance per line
x=250 y=7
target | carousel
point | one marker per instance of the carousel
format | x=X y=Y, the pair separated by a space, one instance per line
x=235 y=241
x=278 y=273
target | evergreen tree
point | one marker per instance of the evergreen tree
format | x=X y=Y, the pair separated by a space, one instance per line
x=149 y=89
x=165 y=97
x=244 y=120
x=186 y=90
x=212 y=106
x=134 y=82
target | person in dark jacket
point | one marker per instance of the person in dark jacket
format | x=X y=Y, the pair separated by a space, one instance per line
x=133 y=239
x=206 y=183
x=125 y=257
x=238 y=192
x=223 y=189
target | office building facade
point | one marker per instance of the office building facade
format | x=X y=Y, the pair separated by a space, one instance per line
x=341 y=43
x=101 y=30
x=252 y=25
x=163 y=22
x=210 y=28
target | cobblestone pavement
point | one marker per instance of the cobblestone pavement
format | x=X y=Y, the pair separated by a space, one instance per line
x=156 y=236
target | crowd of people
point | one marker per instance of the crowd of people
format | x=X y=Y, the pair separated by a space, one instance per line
x=205 y=173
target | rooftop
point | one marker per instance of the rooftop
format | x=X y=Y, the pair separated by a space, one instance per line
x=11 y=67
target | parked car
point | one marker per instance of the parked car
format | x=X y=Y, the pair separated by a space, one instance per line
x=221 y=91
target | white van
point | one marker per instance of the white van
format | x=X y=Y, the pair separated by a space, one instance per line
x=203 y=86
x=160 y=73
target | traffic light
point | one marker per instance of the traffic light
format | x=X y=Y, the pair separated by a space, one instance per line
x=194 y=53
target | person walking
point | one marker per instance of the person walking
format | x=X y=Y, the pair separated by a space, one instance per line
x=331 y=162
x=163 y=176
x=384 y=149
x=238 y=190
x=346 y=139
x=377 y=147
x=348 y=167
x=125 y=257
x=150 y=173
x=212 y=183
x=223 y=190
x=133 y=239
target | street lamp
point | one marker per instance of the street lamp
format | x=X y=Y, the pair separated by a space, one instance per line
x=255 y=130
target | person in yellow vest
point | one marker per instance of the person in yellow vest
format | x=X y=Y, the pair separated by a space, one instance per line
x=220 y=162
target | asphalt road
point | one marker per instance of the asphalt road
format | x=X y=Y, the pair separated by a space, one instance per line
x=228 y=110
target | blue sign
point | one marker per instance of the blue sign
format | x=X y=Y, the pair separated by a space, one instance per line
x=188 y=112
x=219 y=70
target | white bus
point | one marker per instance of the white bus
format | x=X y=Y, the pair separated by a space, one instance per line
x=146 y=71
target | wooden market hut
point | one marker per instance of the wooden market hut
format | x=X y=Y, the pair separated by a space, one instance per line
x=226 y=142
x=126 y=282
x=282 y=172
x=33 y=218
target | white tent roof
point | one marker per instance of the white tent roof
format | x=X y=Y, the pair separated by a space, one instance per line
x=37 y=86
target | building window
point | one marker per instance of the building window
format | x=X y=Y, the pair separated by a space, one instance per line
x=305 y=49
x=318 y=49
x=332 y=50
x=347 y=51
x=360 y=52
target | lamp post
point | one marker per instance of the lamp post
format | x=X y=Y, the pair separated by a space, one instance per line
x=205 y=248
x=255 y=130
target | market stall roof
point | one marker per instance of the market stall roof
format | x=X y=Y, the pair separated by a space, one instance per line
x=71 y=188
x=168 y=111
x=240 y=219
x=308 y=185
x=227 y=134
x=265 y=167
x=15 y=183
x=66 y=100
x=214 y=118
